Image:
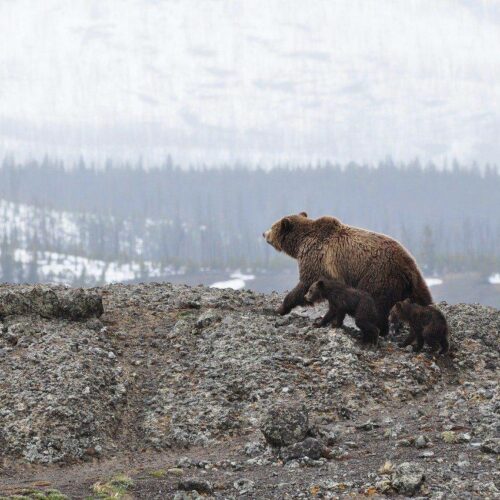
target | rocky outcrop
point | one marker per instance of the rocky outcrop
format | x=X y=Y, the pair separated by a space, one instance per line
x=49 y=302
x=169 y=367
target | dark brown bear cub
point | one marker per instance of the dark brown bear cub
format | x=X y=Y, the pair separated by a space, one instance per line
x=427 y=324
x=343 y=300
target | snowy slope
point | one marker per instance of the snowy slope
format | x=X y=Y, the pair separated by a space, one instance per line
x=31 y=233
x=211 y=80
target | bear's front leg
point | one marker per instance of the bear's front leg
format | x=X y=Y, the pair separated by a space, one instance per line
x=293 y=299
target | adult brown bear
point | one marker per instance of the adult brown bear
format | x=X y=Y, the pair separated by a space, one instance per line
x=359 y=258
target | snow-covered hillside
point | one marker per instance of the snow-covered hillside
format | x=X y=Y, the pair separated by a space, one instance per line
x=52 y=246
x=253 y=80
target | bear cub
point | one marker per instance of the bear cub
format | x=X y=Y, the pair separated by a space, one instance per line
x=344 y=300
x=427 y=324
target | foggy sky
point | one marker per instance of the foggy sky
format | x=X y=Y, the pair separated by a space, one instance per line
x=251 y=80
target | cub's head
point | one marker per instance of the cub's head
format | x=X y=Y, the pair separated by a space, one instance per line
x=283 y=233
x=400 y=311
x=316 y=292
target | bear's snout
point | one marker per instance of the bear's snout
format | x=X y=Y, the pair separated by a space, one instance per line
x=266 y=235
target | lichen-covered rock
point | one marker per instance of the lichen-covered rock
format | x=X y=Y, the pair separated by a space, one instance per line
x=49 y=302
x=285 y=425
x=310 y=447
x=408 y=478
x=79 y=304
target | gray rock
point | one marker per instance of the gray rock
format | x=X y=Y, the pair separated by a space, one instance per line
x=421 y=442
x=285 y=425
x=310 y=447
x=254 y=448
x=244 y=486
x=50 y=302
x=207 y=318
x=491 y=446
x=408 y=478
x=79 y=304
x=192 y=484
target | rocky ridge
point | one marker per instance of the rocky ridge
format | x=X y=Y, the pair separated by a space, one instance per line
x=95 y=374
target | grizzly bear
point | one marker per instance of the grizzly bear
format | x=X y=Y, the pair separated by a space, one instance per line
x=426 y=324
x=359 y=258
x=344 y=300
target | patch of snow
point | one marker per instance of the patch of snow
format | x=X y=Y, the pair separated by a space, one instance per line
x=61 y=268
x=433 y=281
x=235 y=284
x=494 y=279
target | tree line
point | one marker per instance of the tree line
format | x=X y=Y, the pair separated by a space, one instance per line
x=200 y=218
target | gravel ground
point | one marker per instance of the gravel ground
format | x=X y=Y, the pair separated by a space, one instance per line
x=194 y=391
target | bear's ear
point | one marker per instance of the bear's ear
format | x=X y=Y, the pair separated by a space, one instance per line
x=303 y=214
x=286 y=224
x=320 y=283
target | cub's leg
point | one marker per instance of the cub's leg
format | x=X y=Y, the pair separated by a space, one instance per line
x=420 y=341
x=410 y=339
x=339 y=319
x=293 y=299
x=436 y=335
x=445 y=345
x=368 y=329
x=327 y=318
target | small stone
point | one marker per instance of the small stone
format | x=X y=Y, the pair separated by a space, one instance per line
x=285 y=425
x=408 y=478
x=491 y=446
x=207 y=318
x=368 y=426
x=310 y=447
x=426 y=454
x=244 y=486
x=175 y=471
x=421 y=442
x=199 y=485
x=254 y=448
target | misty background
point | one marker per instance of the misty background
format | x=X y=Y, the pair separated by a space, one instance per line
x=156 y=140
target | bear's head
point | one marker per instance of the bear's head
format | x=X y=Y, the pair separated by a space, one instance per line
x=284 y=234
x=400 y=311
x=316 y=292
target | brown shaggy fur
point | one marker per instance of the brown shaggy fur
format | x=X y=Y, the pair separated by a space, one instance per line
x=343 y=300
x=359 y=258
x=427 y=324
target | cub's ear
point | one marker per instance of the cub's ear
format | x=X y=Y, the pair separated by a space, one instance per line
x=303 y=214
x=286 y=224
